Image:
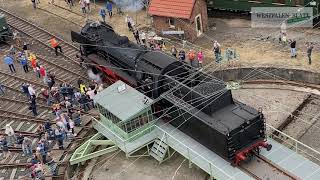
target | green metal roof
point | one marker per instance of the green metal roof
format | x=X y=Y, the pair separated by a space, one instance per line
x=123 y=104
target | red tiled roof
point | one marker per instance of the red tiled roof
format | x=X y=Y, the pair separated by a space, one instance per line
x=172 y=8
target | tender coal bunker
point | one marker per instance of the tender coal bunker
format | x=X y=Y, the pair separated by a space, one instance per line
x=212 y=116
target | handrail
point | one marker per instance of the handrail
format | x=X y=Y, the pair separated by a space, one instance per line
x=294 y=140
x=194 y=152
x=124 y=141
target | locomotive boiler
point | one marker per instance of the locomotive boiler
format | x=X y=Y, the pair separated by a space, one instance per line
x=195 y=102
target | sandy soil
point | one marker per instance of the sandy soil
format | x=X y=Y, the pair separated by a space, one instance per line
x=254 y=49
x=234 y=33
x=270 y=101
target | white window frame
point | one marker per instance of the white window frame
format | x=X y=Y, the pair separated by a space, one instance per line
x=199 y=33
x=171 y=25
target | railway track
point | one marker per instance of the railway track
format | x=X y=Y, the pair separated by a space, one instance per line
x=14 y=106
x=261 y=168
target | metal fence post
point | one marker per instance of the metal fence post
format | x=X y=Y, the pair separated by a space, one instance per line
x=211 y=174
x=189 y=158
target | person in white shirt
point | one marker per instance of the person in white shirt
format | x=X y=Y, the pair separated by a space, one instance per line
x=32 y=92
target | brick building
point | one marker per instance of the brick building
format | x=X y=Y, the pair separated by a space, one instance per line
x=187 y=18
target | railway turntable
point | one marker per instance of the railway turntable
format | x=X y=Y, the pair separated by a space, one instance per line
x=127 y=119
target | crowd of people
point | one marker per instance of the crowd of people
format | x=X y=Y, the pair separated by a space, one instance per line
x=67 y=104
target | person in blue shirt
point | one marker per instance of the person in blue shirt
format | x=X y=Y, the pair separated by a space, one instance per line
x=109 y=8
x=24 y=63
x=103 y=14
x=9 y=61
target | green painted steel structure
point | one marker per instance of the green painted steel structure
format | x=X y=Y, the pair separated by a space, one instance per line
x=87 y=150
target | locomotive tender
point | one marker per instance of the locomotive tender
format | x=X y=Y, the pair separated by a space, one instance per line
x=195 y=102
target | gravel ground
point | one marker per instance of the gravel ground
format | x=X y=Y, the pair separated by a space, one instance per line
x=120 y=168
x=274 y=103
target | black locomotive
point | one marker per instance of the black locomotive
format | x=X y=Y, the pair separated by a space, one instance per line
x=195 y=102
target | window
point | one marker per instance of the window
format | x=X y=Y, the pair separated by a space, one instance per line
x=171 y=22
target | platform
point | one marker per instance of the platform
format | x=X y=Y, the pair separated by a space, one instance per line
x=207 y=160
x=292 y=161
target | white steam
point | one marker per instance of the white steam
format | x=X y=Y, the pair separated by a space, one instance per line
x=95 y=77
x=130 y=5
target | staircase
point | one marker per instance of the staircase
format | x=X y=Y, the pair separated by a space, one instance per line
x=159 y=150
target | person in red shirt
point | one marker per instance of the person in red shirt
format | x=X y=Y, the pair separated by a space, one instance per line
x=54 y=44
x=192 y=57
x=42 y=71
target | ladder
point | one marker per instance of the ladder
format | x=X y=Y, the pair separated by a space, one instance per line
x=159 y=150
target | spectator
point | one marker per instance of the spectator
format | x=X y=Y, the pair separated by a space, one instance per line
x=40 y=131
x=87 y=3
x=42 y=150
x=103 y=14
x=38 y=71
x=47 y=125
x=77 y=118
x=12 y=51
x=4 y=147
x=293 y=49
x=129 y=22
x=37 y=170
x=11 y=137
x=24 y=63
x=109 y=8
x=309 y=51
x=83 y=6
x=192 y=57
x=52 y=165
x=217 y=51
x=25 y=89
x=33 y=60
x=84 y=102
x=9 y=61
x=34 y=4
x=143 y=38
x=200 y=58
x=45 y=93
x=70 y=3
x=33 y=105
x=31 y=91
x=91 y=93
x=51 y=80
x=42 y=72
x=137 y=36
x=182 y=55
x=72 y=124
x=19 y=140
x=174 y=51
x=2 y=90
x=77 y=96
x=54 y=44
x=25 y=49
x=16 y=38
x=27 y=146
x=59 y=137
x=83 y=88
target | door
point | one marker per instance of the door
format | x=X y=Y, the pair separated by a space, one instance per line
x=199 y=25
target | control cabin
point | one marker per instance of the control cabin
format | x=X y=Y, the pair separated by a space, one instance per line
x=125 y=111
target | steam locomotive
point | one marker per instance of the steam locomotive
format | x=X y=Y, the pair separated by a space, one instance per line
x=196 y=103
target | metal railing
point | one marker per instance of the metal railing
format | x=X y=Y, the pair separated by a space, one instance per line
x=192 y=155
x=293 y=144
